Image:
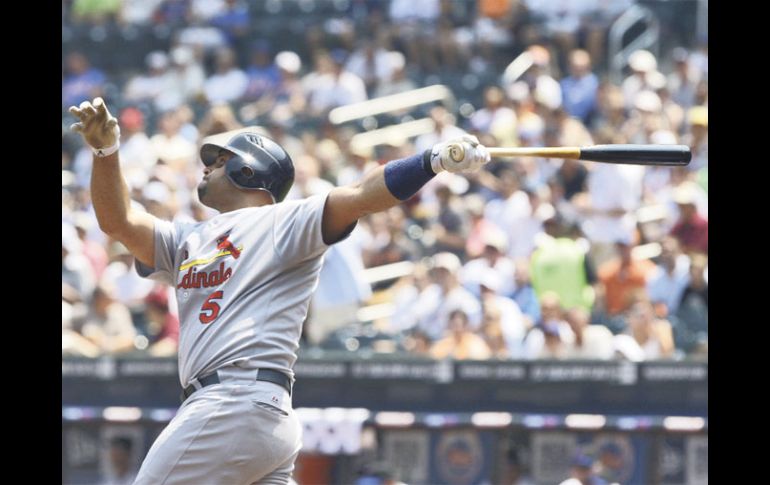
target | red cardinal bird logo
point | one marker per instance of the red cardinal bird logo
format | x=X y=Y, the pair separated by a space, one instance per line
x=224 y=244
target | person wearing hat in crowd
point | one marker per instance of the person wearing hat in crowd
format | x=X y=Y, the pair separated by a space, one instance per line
x=155 y=85
x=552 y=335
x=360 y=160
x=691 y=229
x=642 y=63
x=513 y=327
x=431 y=309
x=582 y=472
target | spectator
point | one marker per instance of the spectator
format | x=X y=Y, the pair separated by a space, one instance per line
x=621 y=278
x=591 y=341
x=642 y=64
x=524 y=295
x=372 y=63
x=698 y=139
x=228 y=83
x=263 y=74
x=392 y=244
x=692 y=314
x=450 y=227
x=331 y=85
x=461 y=343
x=445 y=128
x=552 y=336
x=691 y=229
x=92 y=250
x=162 y=326
x=645 y=337
x=219 y=119
x=495 y=118
x=77 y=275
x=683 y=82
x=130 y=288
x=582 y=472
x=361 y=161
x=669 y=278
x=122 y=462
x=493 y=258
x=307 y=180
x=137 y=153
x=108 y=323
x=82 y=81
x=156 y=85
x=170 y=146
x=579 y=89
x=512 y=325
x=560 y=265
x=187 y=73
x=432 y=308
x=512 y=209
x=398 y=82
x=233 y=20
x=95 y=11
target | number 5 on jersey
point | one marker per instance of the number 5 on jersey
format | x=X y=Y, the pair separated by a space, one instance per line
x=210 y=308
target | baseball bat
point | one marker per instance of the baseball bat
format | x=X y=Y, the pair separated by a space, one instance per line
x=669 y=155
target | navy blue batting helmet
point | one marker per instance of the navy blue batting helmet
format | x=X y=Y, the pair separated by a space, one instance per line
x=259 y=163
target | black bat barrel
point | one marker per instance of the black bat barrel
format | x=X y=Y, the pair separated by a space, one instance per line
x=671 y=155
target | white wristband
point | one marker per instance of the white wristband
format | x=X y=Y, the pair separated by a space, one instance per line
x=105 y=152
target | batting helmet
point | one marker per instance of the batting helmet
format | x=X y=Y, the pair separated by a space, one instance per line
x=259 y=163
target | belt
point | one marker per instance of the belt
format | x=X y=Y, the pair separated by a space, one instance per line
x=269 y=375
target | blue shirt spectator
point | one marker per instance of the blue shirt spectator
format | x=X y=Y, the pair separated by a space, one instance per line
x=83 y=82
x=580 y=87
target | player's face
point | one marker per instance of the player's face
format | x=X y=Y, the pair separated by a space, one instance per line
x=214 y=183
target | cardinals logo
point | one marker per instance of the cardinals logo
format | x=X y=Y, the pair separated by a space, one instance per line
x=225 y=245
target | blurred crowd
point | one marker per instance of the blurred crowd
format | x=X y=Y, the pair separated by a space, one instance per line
x=527 y=259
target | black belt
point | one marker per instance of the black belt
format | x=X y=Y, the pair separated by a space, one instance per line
x=269 y=375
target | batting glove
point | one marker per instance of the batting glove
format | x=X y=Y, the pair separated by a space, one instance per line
x=97 y=126
x=461 y=155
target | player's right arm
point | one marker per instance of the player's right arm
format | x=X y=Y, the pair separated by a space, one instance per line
x=109 y=192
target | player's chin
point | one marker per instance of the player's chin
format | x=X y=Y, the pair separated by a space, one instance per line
x=202 y=190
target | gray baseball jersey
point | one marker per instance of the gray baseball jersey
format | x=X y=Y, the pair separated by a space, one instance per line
x=243 y=284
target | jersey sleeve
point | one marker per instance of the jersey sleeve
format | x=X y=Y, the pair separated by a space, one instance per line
x=166 y=235
x=298 y=223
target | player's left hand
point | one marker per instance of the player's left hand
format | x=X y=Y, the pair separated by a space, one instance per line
x=465 y=154
x=97 y=126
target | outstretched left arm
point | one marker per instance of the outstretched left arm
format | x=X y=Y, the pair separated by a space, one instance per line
x=390 y=184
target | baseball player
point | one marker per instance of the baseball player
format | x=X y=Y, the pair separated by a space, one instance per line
x=243 y=282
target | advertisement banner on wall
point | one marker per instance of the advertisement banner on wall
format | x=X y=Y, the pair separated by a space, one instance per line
x=407 y=451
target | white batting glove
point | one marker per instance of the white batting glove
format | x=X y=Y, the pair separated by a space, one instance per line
x=97 y=126
x=465 y=154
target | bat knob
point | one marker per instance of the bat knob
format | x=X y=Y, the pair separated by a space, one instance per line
x=457 y=152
